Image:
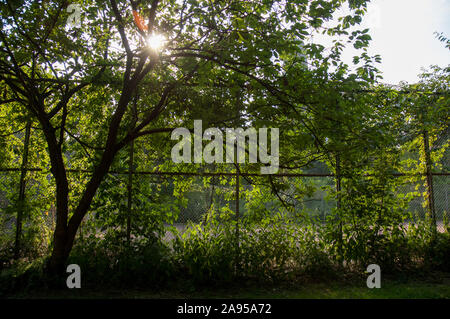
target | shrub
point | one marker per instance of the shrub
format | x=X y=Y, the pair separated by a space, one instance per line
x=113 y=261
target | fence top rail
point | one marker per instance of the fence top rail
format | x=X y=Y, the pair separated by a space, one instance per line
x=12 y=169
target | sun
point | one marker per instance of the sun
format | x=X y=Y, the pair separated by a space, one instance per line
x=156 y=41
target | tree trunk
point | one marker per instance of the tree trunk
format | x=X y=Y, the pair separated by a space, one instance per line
x=59 y=255
x=55 y=264
x=65 y=232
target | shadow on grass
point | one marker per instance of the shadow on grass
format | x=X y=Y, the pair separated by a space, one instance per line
x=434 y=286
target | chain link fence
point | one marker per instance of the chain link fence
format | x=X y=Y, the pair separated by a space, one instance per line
x=317 y=203
x=312 y=193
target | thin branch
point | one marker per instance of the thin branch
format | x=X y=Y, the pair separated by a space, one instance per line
x=124 y=41
x=84 y=144
x=151 y=17
x=12 y=133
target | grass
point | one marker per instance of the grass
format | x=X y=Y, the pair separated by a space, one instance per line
x=437 y=288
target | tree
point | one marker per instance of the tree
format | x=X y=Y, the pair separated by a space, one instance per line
x=79 y=82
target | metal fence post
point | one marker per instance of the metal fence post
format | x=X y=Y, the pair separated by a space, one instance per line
x=131 y=169
x=21 y=201
x=338 y=203
x=237 y=215
x=429 y=175
x=130 y=190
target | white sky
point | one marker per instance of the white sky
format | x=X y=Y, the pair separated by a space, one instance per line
x=402 y=33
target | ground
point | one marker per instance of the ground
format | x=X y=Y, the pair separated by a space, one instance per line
x=431 y=287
